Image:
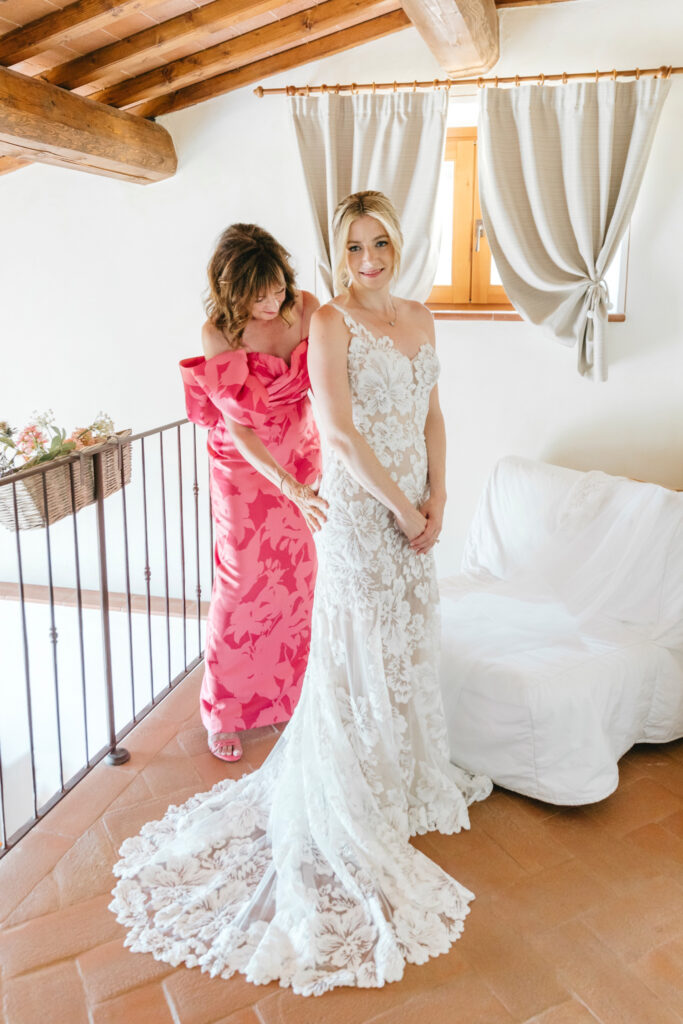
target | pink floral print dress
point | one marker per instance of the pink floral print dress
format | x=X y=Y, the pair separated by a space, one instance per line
x=259 y=624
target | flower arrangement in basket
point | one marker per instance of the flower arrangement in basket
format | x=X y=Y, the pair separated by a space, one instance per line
x=69 y=484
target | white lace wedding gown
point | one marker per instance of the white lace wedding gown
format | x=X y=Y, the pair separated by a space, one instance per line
x=302 y=871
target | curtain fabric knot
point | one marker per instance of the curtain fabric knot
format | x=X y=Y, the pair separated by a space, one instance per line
x=598 y=298
x=592 y=361
x=549 y=163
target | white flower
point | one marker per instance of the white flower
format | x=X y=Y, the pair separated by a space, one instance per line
x=383 y=385
x=344 y=940
x=419 y=935
x=431 y=784
x=244 y=819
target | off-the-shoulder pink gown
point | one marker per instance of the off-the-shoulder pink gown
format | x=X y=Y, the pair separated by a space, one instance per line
x=259 y=624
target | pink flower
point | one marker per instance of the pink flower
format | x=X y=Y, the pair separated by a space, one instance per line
x=31 y=440
x=83 y=438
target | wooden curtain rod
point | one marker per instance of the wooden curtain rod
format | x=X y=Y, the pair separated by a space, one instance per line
x=564 y=77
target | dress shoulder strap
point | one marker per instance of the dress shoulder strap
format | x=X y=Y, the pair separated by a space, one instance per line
x=348 y=319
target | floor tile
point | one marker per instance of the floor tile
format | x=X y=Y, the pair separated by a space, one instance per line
x=549 y=897
x=467 y=996
x=110 y=969
x=170 y=771
x=127 y=821
x=87 y=801
x=183 y=701
x=195 y=998
x=58 y=936
x=31 y=998
x=663 y=767
x=147 y=739
x=613 y=860
x=633 y=806
x=24 y=866
x=85 y=870
x=472 y=857
x=247 y=1015
x=44 y=899
x=675 y=749
x=661 y=847
x=135 y=792
x=343 y=1005
x=193 y=739
x=634 y=923
x=599 y=979
x=146 y=1005
x=524 y=981
x=674 y=823
x=575 y=922
x=256 y=750
x=524 y=839
x=571 y=1012
x=662 y=972
x=522 y=806
x=212 y=770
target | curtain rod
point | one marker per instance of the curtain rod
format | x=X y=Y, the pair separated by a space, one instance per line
x=564 y=77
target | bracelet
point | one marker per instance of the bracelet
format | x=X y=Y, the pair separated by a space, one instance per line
x=282 y=480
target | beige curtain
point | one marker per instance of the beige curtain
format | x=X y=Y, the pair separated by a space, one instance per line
x=559 y=172
x=391 y=142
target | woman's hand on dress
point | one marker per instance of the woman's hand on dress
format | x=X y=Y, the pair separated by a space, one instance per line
x=412 y=523
x=307 y=500
x=432 y=509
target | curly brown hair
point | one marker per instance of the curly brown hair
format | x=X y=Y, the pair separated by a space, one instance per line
x=247 y=262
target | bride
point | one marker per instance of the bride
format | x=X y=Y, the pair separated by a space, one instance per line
x=303 y=871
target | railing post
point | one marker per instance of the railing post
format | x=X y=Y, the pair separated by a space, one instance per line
x=116 y=755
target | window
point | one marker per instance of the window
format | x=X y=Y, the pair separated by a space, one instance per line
x=466 y=277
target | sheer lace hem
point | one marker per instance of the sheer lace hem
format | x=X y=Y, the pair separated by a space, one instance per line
x=370 y=960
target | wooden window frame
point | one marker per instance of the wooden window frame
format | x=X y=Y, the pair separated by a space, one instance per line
x=470 y=296
x=469 y=290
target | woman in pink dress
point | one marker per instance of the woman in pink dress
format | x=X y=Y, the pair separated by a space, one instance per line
x=250 y=388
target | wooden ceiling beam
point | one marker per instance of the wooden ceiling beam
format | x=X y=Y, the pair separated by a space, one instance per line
x=43 y=123
x=504 y=4
x=313 y=23
x=11 y=163
x=328 y=45
x=462 y=34
x=200 y=23
x=60 y=26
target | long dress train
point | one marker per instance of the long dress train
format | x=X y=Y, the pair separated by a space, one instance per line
x=302 y=871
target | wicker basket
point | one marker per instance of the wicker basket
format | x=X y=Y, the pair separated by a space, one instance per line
x=31 y=510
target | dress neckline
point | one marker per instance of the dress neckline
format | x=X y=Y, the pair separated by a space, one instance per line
x=266 y=355
x=380 y=337
x=272 y=355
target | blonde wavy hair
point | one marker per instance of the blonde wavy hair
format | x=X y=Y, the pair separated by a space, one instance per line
x=246 y=263
x=359 y=204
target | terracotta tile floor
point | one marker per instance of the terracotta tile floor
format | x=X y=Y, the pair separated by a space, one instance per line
x=578 y=916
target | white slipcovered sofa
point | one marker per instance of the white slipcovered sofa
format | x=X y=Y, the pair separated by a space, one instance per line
x=562 y=639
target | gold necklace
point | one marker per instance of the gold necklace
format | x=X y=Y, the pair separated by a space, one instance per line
x=390 y=322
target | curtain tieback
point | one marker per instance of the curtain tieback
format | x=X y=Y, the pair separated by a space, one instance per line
x=592 y=352
x=598 y=296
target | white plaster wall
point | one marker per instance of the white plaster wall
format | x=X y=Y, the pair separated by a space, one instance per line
x=101 y=282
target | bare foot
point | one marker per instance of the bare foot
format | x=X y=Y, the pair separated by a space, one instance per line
x=225 y=745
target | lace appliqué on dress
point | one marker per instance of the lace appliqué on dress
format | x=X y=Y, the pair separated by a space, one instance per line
x=302 y=871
